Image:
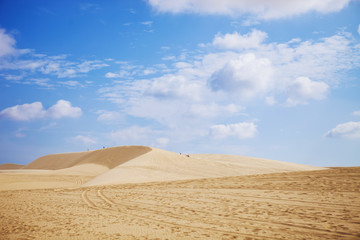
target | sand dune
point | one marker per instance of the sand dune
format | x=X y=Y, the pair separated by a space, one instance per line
x=8 y=166
x=136 y=164
x=109 y=157
x=161 y=165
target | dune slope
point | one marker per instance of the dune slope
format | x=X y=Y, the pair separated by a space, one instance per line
x=8 y=166
x=109 y=157
x=56 y=161
x=134 y=164
x=160 y=165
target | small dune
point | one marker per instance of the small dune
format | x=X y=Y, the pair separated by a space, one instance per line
x=10 y=166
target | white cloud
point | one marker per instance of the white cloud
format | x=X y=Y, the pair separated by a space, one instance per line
x=356 y=113
x=303 y=89
x=48 y=65
x=71 y=84
x=131 y=135
x=161 y=142
x=147 y=23
x=33 y=63
x=31 y=111
x=7 y=44
x=247 y=76
x=241 y=130
x=41 y=82
x=205 y=88
x=25 y=112
x=262 y=9
x=12 y=77
x=270 y=101
x=84 y=140
x=109 y=116
x=235 y=41
x=212 y=110
x=112 y=75
x=88 y=66
x=20 y=133
x=171 y=86
x=62 y=109
x=349 y=130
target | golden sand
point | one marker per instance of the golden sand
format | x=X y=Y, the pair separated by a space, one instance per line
x=296 y=202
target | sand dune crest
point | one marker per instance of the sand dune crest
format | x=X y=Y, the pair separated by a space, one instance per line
x=8 y=166
x=109 y=157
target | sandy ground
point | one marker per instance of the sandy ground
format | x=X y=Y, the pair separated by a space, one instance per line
x=294 y=205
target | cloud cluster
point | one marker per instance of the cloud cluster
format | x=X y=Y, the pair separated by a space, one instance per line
x=261 y=9
x=348 y=130
x=233 y=70
x=35 y=110
x=13 y=60
x=242 y=76
x=303 y=89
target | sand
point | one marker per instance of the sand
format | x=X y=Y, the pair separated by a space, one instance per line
x=134 y=164
x=10 y=166
x=136 y=192
x=294 y=205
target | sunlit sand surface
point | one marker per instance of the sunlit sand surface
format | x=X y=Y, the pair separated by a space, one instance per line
x=89 y=198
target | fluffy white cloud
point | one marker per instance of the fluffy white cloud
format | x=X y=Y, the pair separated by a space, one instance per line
x=203 y=89
x=31 y=111
x=62 y=109
x=25 y=112
x=241 y=130
x=349 y=130
x=303 y=89
x=235 y=41
x=175 y=86
x=262 y=9
x=247 y=76
x=7 y=44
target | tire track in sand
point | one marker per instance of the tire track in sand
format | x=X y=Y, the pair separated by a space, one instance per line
x=86 y=199
x=143 y=208
x=109 y=203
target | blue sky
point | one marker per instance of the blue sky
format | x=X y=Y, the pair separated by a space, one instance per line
x=270 y=79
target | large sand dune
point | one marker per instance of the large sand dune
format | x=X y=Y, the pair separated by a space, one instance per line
x=160 y=165
x=135 y=164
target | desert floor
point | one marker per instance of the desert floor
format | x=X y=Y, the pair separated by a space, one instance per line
x=295 y=205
